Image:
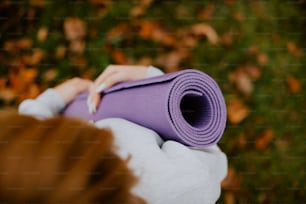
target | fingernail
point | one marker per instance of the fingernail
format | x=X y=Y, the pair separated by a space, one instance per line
x=93 y=108
x=100 y=88
x=90 y=106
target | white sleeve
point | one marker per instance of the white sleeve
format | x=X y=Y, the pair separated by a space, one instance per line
x=153 y=71
x=46 y=105
x=168 y=172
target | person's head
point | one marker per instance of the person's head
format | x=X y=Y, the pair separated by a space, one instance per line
x=60 y=160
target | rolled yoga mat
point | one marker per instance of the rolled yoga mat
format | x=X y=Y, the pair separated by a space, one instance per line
x=185 y=106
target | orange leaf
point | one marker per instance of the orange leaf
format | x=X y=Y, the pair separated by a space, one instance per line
x=263 y=141
x=39 y=3
x=7 y=94
x=42 y=34
x=146 y=29
x=118 y=56
x=232 y=180
x=207 y=12
x=236 y=111
x=60 y=52
x=242 y=81
x=24 y=43
x=77 y=46
x=262 y=59
x=75 y=28
x=206 y=30
x=294 y=49
x=37 y=56
x=294 y=85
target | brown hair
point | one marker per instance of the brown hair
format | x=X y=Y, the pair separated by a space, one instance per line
x=60 y=160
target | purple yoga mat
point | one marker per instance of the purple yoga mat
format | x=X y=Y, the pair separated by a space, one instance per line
x=185 y=106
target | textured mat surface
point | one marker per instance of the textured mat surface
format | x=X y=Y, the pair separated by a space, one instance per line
x=185 y=106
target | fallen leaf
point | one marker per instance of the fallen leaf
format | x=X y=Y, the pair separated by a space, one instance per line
x=118 y=56
x=7 y=94
x=3 y=82
x=229 y=197
x=74 y=28
x=42 y=34
x=253 y=72
x=202 y=29
x=146 y=29
x=50 y=75
x=239 y=16
x=60 y=52
x=293 y=84
x=242 y=81
x=242 y=141
x=10 y=46
x=37 y=56
x=38 y=3
x=262 y=59
x=236 y=111
x=28 y=75
x=24 y=43
x=207 y=12
x=77 y=46
x=232 y=180
x=294 y=49
x=264 y=139
x=79 y=61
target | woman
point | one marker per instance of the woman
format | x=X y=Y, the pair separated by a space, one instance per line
x=168 y=172
x=60 y=160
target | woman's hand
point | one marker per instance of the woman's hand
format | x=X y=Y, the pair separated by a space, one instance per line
x=112 y=75
x=71 y=88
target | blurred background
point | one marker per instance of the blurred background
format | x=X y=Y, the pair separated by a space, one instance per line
x=255 y=50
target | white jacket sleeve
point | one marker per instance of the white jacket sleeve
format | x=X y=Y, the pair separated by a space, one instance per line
x=46 y=105
x=168 y=172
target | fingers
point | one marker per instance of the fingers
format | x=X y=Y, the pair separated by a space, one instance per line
x=71 y=88
x=112 y=75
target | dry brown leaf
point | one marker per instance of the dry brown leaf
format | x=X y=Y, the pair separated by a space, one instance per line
x=242 y=141
x=238 y=16
x=118 y=56
x=262 y=59
x=253 y=71
x=162 y=36
x=294 y=49
x=207 y=12
x=77 y=46
x=39 y=3
x=60 y=52
x=242 y=81
x=79 y=62
x=32 y=91
x=293 y=84
x=236 y=111
x=75 y=29
x=50 y=74
x=2 y=82
x=42 y=34
x=146 y=29
x=7 y=94
x=264 y=139
x=28 y=75
x=37 y=56
x=229 y=198
x=232 y=180
x=10 y=46
x=24 y=43
x=202 y=29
